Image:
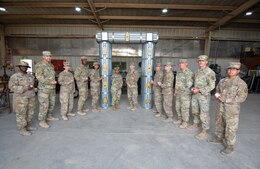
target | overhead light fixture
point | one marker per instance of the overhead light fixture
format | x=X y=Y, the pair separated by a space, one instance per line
x=164 y=10
x=2 y=9
x=249 y=13
x=78 y=9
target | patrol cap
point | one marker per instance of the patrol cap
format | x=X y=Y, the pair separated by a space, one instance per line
x=158 y=65
x=66 y=64
x=95 y=63
x=116 y=68
x=235 y=65
x=83 y=57
x=46 y=53
x=168 y=64
x=132 y=63
x=203 y=57
x=183 y=61
x=23 y=63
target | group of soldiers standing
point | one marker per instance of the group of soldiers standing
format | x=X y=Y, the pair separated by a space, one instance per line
x=194 y=89
x=191 y=89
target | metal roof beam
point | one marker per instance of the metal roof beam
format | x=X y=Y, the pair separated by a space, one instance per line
x=242 y=8
x=93 y=9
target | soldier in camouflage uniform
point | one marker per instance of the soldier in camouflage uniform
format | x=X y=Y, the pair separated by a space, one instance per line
x=230 y=93
x=95 y=86
x=81 y=76
x=22 y=84
x=167 y=91
x=184 y=82
x=204 y=82
x=66 y=80
x=46 y=89
x=158 y=77
x=117 y=83
x=132 y=87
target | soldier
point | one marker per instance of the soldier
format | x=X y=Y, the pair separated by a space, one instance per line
x=95 y=86
x=66 y=80
x=167 y=86
x=22 y=84
x=204 y=82
x=117 y=83
x=184 y=82
x=132 y=87
x=46 y=89
x=230 y=93
x=158 y=77
x=81 y=76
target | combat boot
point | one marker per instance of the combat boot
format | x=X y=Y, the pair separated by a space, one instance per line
x=52 y=118
x=71 y=114
x=203 y=134
x=183 y=125
x=178 y=122
x=43 y=124
x=64 y=118
x=158 y=114
x=86 y=110
x=130 y=106
x=194 y=126
x=168 y=120
x=117 y=106
x=216 y=140
x=113 y=107
x=24 y=132
x=82 y=113
x=29 y=127
x=133 y=108
x=95 y=110
x=229 y=149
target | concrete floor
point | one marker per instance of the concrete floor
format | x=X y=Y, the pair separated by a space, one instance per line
x=127 y=140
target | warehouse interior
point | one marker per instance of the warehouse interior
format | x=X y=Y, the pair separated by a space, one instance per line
x=225 y=30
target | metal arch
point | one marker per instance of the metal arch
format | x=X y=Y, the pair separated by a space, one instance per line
x=148 y=41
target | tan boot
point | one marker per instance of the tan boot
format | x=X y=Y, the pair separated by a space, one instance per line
x=43 y=124
x=168 y=120
x=86 y=110
x=71 y=114
x=130 y=106
x=113 y=107
x=183 y=125
x=29 y=127
x=95 y=110
x=65 y=118
x=216 y=140
x=202 y=135
x=133 y=108
x=158 y=114
x=194 y=126
x=82 y=113
x=178 y=122
x=117 y=106
x=51 y=118
x=24 y=132
x=229 y=149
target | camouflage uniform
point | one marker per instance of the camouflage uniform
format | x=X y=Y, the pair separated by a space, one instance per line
x=132 y=91
x=80 y=75
x=95 y=87
x=233 y=92
x=158 y=77
x=167 y=89
x=66 y=80
x=184 y=82
x=117 y=83
x=23 y=98
x=204 y=80
x=46 y=91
